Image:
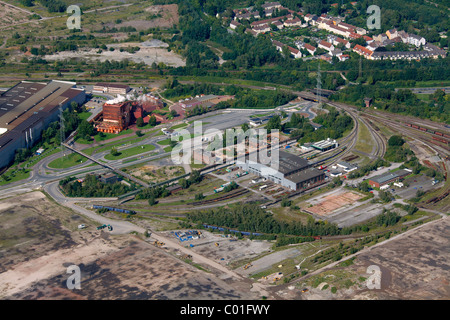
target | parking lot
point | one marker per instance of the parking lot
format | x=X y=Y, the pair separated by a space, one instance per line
x=253 y=182
x=224 y=249
x=413 y=185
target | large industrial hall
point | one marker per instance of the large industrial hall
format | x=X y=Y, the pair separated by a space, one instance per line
x=27 y=109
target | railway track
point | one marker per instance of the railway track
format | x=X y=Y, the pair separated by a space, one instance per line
x=421 y=136
x=239 y=192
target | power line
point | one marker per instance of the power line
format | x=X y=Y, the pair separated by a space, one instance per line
x=61 y=128
x=319 y=85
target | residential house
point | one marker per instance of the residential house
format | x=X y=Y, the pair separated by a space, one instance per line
x=262 y=28
x=234 y=24
x=293 y=22
x=326 y=45
x=392 y=33
x=296 y=53
x=271 y=5
x=416 y=40
x=363 y=51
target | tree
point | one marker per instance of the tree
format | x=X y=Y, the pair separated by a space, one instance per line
x=139 y=122
x=199 y=196
x=183 y=183
x=86 y=129
x=152 y=121
x=274 y=123
x=139 y=133
x=396 y=141
x=114 y=152
x=152 y=201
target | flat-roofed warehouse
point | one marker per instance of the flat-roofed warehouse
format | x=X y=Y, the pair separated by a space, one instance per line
x=113 y=88
x=290 y=171
x=27 y=109
x=388 y=177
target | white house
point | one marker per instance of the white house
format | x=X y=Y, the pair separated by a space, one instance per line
x=416 y=40
x=326 y=45
x=234 y=24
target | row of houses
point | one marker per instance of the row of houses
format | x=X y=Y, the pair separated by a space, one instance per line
x=431 y=51
x=394 y=36
x=335 y=25
x=248 y=13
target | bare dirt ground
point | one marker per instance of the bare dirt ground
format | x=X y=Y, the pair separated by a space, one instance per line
x=40 y=239
x=156 y=174
x=138 y=271
x=413 y=267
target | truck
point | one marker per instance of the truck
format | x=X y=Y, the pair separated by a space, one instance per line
x=248 y=265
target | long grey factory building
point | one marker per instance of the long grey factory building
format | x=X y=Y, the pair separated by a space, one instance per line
x=27 y=109
x=290 y=171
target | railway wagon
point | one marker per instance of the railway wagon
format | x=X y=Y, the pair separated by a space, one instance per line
x=440 y=139
x=114 y=209
x=427 y=130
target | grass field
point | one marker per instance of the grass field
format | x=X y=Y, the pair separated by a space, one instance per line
x=13 y=175
x=131 y=152
x=365 y=140
x=68 y=161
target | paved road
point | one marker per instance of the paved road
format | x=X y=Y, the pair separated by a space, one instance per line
x=119 y=227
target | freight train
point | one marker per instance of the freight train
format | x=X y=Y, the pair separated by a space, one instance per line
x=415 y=126
x=440 y=139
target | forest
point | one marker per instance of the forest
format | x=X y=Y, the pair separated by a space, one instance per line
x=402 y=101
x=93 y=187
x=334 y=125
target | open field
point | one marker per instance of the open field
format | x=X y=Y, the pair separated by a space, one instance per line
x=67 y=161
x=140 y=271
x=146 y=54
x=365 y=141
x=415 y=266
x=154 y=174
x=40 y=239
x=12 y=15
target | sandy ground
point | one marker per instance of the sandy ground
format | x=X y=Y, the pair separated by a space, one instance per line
x=140 y=271
x=147 y=54
x=25 y=274
x=39 y=240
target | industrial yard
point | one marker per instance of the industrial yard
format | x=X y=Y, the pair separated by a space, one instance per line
x=94 y=123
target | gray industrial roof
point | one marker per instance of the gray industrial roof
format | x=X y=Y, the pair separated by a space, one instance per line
x=390 y=176
x=305 y=175
x=290 y=162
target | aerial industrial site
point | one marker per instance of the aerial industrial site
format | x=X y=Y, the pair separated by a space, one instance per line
x=223 y=151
